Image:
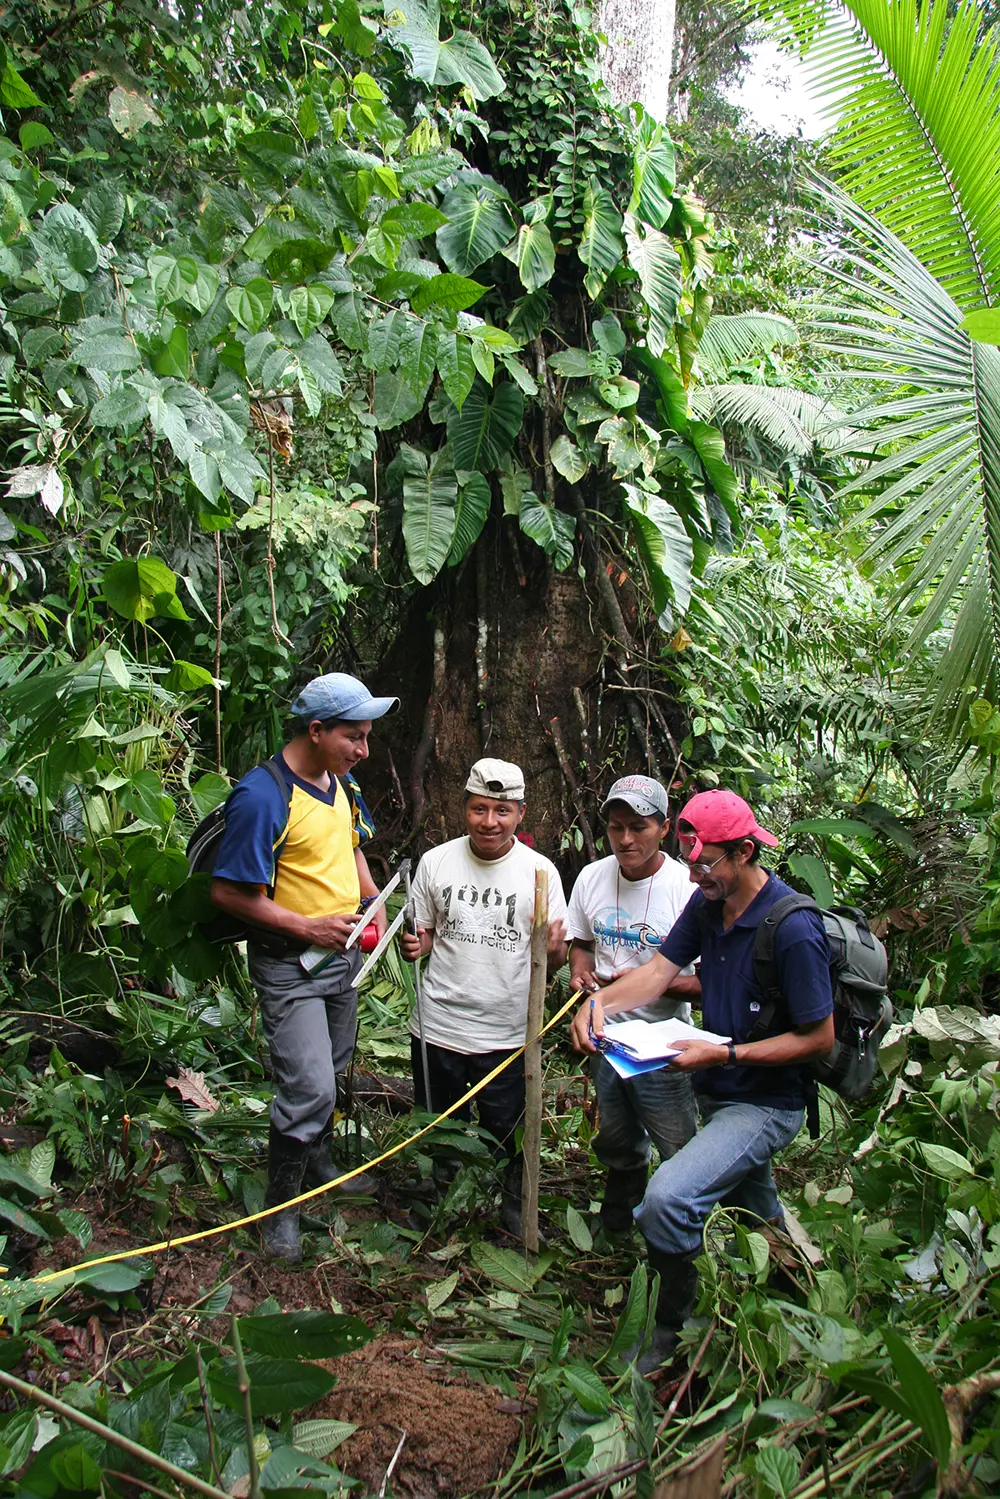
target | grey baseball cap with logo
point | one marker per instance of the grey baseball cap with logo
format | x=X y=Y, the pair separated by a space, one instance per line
x=641 y=793
x=499 y=779
x=338 y=695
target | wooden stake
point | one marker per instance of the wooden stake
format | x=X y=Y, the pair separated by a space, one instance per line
x=532 y=1146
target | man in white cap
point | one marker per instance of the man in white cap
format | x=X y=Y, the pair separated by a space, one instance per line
x=474 y=902
x=292 y=865
x=621 y=909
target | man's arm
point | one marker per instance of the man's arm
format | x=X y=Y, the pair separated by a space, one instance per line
x=797 y=1045
x=250 y=903
x=630 y=992
x=582 y=974
x=556 y=945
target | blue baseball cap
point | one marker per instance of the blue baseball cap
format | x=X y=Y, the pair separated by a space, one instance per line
x=338 y=695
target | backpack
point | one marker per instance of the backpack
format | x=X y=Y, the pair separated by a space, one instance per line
x=203 y=850
x=862 y=1011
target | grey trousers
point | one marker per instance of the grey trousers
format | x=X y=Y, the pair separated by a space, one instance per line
x=310 y=1023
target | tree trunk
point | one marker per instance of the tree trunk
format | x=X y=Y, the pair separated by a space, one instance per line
x=636 y=60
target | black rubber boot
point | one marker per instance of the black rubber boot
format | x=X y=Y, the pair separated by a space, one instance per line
x=678 y=1286
x=623 y=1191
x=510 y=1203
x=286 y=1164
x=321 y=1168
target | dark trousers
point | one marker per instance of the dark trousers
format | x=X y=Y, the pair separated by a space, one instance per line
x=453 y=1073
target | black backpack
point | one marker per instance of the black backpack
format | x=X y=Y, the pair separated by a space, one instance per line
x=203 y=850
x=862 y=1011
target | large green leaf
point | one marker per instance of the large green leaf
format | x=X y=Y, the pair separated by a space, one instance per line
x=305 y=1335
x=430 y=491
x=485 y=428
x=479 y=224
x=395 y=401
x=276 y=1385
x=665 y=548
x=653 y=173
x=460 y=59
x=470 y=516
x=601 y=244
x=532 y=251
x=553 y=529
x=920 y=1389
x=454 y=293
x=141 y=588
x=708 y=444
x=652 y=256
x=455 y=366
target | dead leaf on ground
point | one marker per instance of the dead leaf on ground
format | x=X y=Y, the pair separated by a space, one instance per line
x=193 y=1089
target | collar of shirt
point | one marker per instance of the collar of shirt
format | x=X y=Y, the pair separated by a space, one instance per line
x=751 y=918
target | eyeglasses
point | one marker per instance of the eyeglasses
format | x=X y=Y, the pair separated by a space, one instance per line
x=706 y=868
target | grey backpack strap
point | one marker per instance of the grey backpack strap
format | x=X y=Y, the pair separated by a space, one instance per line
x=765 y=968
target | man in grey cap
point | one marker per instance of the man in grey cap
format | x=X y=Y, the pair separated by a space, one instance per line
x=292 y=865
x=621 y=909
x=474 y=902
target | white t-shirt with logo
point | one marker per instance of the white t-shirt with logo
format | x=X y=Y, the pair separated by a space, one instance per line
x=475 y=981
x=627 y=920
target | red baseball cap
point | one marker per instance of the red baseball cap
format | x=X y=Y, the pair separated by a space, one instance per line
x=718 y=816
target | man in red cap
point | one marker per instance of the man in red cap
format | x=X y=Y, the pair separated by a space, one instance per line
x=751 y=1093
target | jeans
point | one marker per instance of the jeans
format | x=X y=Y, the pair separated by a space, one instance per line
x=453 y=1073
x=728 y=1161
x=310 y=1022
x=656 y=1106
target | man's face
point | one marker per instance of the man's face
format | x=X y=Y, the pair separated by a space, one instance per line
x=634 y=840
x=342 y=746
x=718 y=874
x=491 y=824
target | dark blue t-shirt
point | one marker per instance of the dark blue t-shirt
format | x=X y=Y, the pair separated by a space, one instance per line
x=731 y=998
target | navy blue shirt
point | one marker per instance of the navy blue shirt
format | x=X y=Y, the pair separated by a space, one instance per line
x=731 y=998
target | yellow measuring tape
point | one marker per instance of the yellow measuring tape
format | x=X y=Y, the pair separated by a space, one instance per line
x=228 y=1228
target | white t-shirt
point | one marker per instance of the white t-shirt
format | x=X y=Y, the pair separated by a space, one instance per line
x=627 y=920
x=475 y=982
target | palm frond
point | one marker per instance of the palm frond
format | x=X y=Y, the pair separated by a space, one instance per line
x=935 y=486
x=918 y=138
x=795 y=421
x=732 y=339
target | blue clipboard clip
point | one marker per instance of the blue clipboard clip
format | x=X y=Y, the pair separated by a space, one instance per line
x=606 y=1045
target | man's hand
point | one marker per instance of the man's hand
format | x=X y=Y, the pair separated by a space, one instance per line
x=380 y=922
x=695 y=1056
x=584 y=978
x=557 y=941
x=590 y=1016
x=415 y=945
x=333 y=931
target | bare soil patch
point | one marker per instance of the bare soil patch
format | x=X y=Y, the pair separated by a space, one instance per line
x=459 y=1437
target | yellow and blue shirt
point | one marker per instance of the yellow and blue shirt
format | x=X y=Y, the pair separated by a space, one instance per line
x=302 y=847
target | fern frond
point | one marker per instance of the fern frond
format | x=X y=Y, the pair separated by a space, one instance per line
x=732 y=339
x=794 y=421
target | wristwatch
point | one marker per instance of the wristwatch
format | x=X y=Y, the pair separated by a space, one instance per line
x=732 y=1056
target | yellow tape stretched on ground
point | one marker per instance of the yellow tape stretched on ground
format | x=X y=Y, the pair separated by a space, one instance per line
x=228 y=1228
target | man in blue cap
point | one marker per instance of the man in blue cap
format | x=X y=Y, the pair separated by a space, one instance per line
x=292 y=865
